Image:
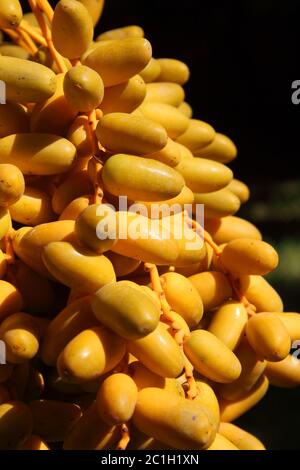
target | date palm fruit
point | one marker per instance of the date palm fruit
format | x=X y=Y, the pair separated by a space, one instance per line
x=124 y=321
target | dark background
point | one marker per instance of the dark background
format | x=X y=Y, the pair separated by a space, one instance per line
x=243 y=57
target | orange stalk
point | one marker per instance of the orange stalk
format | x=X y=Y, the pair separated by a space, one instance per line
x=98 y=191
x=191 y=391
x=92 y=128
x=96 y=165
x=31 y=46
x=9 y=251
x=179 y=334
x=47 y=35
x=46 y=8
x=15 y=37
x=125 y=439
x=251 y=310
x=33 y=33
x=207 y=238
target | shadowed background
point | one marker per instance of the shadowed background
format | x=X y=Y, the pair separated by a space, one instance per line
x=243 y=58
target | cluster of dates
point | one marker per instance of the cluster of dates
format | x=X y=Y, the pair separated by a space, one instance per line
x=156 y=339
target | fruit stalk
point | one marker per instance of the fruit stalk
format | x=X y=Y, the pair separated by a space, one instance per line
x=179 y=336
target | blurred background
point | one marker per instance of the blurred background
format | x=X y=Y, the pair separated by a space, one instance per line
x=243 y=58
